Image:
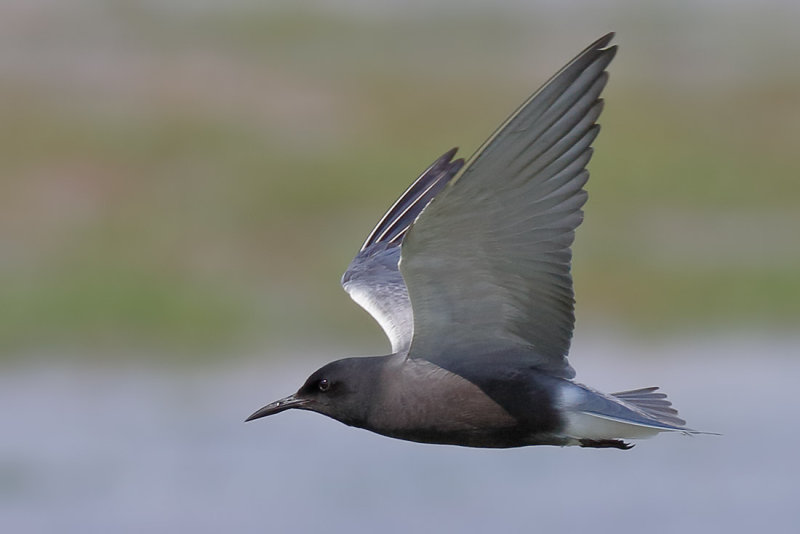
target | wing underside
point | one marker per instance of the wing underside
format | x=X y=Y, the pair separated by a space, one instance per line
x=372 y=279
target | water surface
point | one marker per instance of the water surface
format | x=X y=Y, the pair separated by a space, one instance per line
x=139 y=448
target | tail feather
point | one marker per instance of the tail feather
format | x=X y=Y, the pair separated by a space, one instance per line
x=653 y=404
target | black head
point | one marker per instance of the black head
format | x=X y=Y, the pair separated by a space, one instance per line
x=342 y=390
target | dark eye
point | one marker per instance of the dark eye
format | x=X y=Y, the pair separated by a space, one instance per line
x=324 y=385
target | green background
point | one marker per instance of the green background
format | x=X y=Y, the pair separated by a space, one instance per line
x=192 y=180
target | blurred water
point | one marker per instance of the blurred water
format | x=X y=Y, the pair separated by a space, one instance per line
x=135 y=448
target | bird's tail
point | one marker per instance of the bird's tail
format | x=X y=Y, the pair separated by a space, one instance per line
x=597 y=419
x=652 y=403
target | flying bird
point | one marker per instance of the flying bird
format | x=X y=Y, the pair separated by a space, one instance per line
x=468 y=274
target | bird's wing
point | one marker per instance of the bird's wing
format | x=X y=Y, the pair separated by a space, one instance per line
x=372 y=278
x=487 y=263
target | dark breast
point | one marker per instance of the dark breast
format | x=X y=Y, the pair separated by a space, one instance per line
x=496 y=408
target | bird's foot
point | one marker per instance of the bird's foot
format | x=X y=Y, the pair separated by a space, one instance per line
x=606 y=444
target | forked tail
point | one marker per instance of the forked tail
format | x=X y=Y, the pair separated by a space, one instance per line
x=652 y=403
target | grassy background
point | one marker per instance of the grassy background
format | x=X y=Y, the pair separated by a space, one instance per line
x=192 y=178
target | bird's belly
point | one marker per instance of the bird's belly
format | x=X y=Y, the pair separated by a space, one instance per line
x=506 y=438
x=454 y=411
x=470 y=424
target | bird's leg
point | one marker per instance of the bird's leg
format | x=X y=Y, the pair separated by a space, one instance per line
x=606 y=443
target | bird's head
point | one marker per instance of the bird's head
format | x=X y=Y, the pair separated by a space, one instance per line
x=341 y=390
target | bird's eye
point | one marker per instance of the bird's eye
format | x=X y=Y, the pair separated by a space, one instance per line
x=324 y=385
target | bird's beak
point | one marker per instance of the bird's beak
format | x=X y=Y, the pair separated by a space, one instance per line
x=285 y=403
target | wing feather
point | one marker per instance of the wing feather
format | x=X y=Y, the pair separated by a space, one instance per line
x=487 y=263
x=372 y=279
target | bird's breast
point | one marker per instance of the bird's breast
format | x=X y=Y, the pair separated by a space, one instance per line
x=420 y=401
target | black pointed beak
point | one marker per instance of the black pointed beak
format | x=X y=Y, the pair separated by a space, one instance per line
x=278 y=406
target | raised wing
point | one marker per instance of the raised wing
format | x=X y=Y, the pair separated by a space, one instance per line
x=372 y=279
x=487 y=263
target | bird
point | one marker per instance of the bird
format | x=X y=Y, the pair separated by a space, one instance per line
x=469 y=275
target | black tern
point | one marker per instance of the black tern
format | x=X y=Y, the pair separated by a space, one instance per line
x=468 y=274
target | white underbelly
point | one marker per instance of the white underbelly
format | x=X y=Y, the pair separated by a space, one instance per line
x=582 y=425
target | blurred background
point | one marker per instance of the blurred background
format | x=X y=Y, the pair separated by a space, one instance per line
x=183 y=183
